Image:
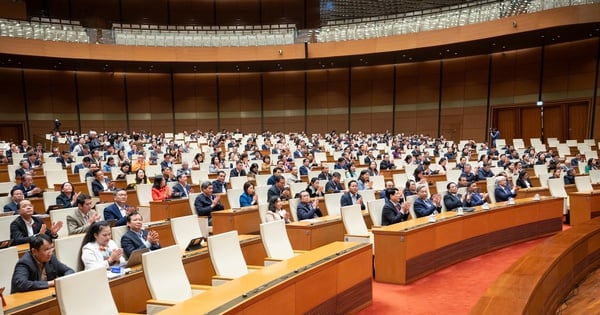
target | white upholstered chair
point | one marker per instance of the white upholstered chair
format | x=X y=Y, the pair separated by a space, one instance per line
x=73 y=293
x=67 y=250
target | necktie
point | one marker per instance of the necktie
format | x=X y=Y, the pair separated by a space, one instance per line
x=398 y=208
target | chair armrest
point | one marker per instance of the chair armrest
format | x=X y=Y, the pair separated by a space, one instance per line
x=161 y=302
x=218 y=280
x=200 y=287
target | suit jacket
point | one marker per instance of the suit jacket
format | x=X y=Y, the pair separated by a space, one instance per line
x=453 y=201
x=62 y=161
x=63 y=200
x=303 y=170
x=273 y=191
x=385 y=165
x=306 y=211
x=333 y=187
x=346 y=200
x=502 y=194
x=390 y=215
x=234 y=172
x=181 y=191
x=77 y=222
x=97 y=186
x=27 y=190
x=130 y=241
x=203 y=205
x=18 y=230
x=26 y=275
x=423 y=209
x=476 y=200
x=523 y=183
x=482 y=174
x=219 y=187
x=11 y=207
x=112 y=212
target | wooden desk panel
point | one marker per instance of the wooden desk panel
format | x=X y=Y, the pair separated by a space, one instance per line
x=38 y=205
x=132 y=198
x=245 y=221
x=539 y=282
x=310 y=234
x=584 y=206
x=34 y=302
x=340 y=285
x=163 y=210
x=413 y=249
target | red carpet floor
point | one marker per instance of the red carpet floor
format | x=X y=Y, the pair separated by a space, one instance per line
x=453 y=290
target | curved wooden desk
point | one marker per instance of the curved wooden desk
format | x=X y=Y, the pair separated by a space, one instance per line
x=410 y=250
x=538 y=282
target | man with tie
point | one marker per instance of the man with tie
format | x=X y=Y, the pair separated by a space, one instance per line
x=118 y=210
x=206 y=202
x=307 y=209
x=136 y=237
x=182 y=189
x=453 y=199
x=394 y=210
x=503 y=191
x=238 y=170
x=219 y=185
x=425 y=206
x=352 y=197
x=83 y=217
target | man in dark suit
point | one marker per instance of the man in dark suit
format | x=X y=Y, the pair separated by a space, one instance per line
x=305 y=168
x=238 y=170
x=219 y=185
x=394 y=210
x=182 y=189
x=16 y=195
x=352 y=197
x=453 y=200
x=334 y=185
x=101 y=183
x=307 y=209
x=503 y=191
x=278 y=190
x=136 y=238
x=19 y=231
x=38 y=268
x=65 y=159
x=424 y=206
x=206 y=202
x=118 y=210
x=29 y=189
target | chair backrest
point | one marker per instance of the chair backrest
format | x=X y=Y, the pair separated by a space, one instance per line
x=261 y=179
x=262 y=193
x=441 y=186
x=583 y=183
x=165 y=275
x=453 y=175
x=9 y=257
x=262 y=211
x=369 y=195
x=74 y=296
x=442 y=194
x=378 y=182
x=226 y=255
x=594 y=176
x=11 y=170
x=185 y=229
x=68 y=250
x=353 y=220
x=61 y=215
x=294 y=208
x=540 y=169
x=118 y=232
x=544 y=179
x=518 y=143
x=375 y=210
x=237 y=182
x=144 y=194
x=153 y=170
x=491 y=195
x=233 y=195
x=5 y=226
x=333 y=203
x=6 y=187
x=275 y=240
x=56 y=176
x=297 y=187
x=400 y=180
x=100 y=208
x=50 y=198
x=412 y=199
x=192 y=198
x=557 y=187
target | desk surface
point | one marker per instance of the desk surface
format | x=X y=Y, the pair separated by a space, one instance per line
x=412 y=249
x=266 y=284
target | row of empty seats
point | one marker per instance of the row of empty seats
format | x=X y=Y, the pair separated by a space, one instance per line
x=425 y=21
x=178 y=39
x=43 y=31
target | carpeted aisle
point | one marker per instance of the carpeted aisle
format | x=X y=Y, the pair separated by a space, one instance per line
x=453 y=290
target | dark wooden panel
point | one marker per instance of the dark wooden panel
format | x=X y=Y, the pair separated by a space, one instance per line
x=280 y=12
x=507 y=121
x=194 y=12
x=530 y=123
x=554 y=122
x=578 y=121
x=11 y=89
x=149 y=93
x=238 y=12
x=101 y=92
x=145 y=12
x=91 y=14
